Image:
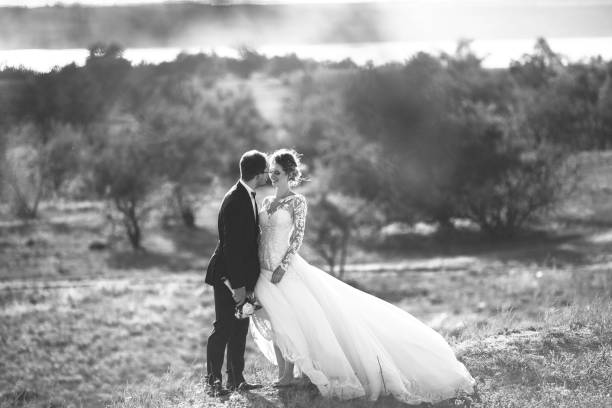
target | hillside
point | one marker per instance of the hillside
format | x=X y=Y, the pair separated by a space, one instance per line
x=530 y=319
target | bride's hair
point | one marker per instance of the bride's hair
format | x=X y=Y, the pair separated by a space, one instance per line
x=289 y=160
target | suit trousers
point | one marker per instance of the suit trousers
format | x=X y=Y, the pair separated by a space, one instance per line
x=228 y=332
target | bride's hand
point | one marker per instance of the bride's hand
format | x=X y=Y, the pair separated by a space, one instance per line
x=277 y=275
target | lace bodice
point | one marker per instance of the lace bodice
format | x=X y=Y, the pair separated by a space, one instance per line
x=282 y=230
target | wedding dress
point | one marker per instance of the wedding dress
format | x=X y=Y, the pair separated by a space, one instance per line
x=350 y=344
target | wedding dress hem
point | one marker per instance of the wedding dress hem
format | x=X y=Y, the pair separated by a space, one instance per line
x=350 y=344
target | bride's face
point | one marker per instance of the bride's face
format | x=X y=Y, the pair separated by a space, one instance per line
x=277 y=176
x=262 y=179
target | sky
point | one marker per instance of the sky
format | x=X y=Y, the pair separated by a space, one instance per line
x=38 y=3
x=577 y=36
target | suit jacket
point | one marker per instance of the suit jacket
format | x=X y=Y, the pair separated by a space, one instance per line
x=236 y=256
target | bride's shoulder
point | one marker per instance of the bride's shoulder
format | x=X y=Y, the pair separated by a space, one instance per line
x=299 y=198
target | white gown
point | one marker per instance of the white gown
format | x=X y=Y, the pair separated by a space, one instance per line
x=350 y=344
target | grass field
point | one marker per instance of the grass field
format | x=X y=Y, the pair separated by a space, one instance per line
x=532 y=320
x=532 y=336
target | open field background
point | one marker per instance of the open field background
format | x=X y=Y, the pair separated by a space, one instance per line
x=79 y=327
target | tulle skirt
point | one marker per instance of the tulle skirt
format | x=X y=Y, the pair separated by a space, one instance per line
x=351 y=344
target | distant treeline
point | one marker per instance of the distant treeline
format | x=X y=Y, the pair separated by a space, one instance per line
x=192 y=24
x=435 y=138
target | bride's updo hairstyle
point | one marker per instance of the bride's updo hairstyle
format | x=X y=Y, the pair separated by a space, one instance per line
x=289 y=160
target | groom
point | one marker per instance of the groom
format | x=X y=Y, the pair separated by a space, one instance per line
x=234 y=263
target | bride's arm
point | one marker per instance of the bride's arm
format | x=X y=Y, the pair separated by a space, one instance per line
x=297 y=236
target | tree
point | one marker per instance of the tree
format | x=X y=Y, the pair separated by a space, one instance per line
x=24 y=175
x=123 y=172
x=523 y=187
x=277 y=66
x=457 y=141
x=604 y=108
x=61 y=156
x=506 y=177
x=38 y=162
x=195 y=133
x=24 y=180
x=249 y=62
x=343 y=165
x=406 y=110
x=75 y=95
x=330 y=229
x=536 y=70
x=334 y=222
x=559 y=98
x=3 y=163
x=564 y=112
x=181 y=140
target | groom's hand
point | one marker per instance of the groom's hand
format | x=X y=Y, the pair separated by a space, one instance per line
x=239 y=295
x=277 y=275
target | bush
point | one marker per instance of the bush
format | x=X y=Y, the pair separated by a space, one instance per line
x=522 y=188
x=330 y=229
x=24 y=161
x=24 y=181
x=287 y=64
x=457 y=141
x=123 y=172
x=334 y=222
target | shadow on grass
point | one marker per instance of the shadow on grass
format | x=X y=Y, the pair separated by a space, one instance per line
x=601 y=221
x=62 y=227
x=192 y=248
x=538 y=247
x=259 y=401
x=150 y=260
x=309 y=397
x=19 y=227
x=199 y=241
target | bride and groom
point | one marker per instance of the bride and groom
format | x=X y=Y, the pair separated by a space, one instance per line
x=348 y=343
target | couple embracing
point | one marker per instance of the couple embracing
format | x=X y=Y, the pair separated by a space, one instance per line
x=348 y=343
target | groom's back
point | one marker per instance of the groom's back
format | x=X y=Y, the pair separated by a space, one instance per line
x=216 y=265
x=229 y=200
x=235 y=256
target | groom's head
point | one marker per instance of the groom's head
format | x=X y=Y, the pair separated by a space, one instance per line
x=253 y=166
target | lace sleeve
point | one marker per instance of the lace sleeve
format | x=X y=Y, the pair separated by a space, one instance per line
x=299 y=226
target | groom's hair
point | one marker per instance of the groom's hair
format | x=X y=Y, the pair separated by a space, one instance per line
x=252 y=163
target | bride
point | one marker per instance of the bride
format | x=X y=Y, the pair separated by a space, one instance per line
x=348 y=343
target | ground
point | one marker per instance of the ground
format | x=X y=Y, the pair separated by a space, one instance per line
x=530 y=319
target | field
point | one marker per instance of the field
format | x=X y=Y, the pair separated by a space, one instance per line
x=530 y=319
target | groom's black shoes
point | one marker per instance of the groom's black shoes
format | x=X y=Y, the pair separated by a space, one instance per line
x=217 y=390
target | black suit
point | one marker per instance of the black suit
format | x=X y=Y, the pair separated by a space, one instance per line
x=235 y=259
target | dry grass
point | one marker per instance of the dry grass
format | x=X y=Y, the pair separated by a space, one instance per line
x=79 y=344
x=564 y=362
x=531 y=321
x=532 y=336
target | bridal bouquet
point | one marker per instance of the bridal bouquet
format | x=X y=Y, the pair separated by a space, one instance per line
x=248 y=308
